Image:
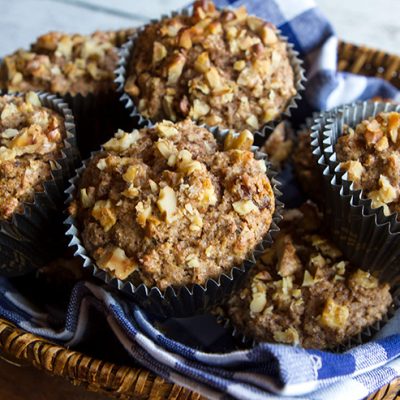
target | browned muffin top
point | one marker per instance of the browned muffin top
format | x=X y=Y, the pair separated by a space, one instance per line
x=62 y=63
x=304 y=292
x=31 y=136
x=370 y=154
x=222 y=68
x=165 y=207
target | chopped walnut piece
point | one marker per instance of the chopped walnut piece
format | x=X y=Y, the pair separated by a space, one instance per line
x=244 y=207
x=166 y=129
x=334 y=316
x=199 y=109
x=122 y=141
x=143 y=213
x=116 y=261
x=364 y=279
x=167 y=203
x=33 y=98
x=288 y=261
x=258 y=302
x=103 y=211
x=354 y=170
x=290 y=336
x=159 y=52
x=175 y=68
x=243 y=141
x=87 y=197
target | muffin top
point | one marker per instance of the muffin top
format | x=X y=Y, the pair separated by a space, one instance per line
x=31 y=136
x=370 y=154
x=222 y=68
x=304 y=292
x=164 y=206
x=62 y=63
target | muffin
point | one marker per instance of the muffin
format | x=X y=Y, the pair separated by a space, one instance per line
x=164 y=206
x=37 y=156
x=219 y=68
x=304 y=292
x=81 y=70
x=370 y=155
x=31 y=139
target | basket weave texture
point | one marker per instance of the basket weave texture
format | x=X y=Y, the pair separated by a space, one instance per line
x=130 y=383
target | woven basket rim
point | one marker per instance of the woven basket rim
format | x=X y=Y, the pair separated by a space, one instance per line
x=19 y=346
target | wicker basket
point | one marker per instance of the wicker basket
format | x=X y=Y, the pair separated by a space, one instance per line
x=123 y=382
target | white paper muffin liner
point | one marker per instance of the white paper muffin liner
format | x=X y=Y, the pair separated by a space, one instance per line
x=122 y=72
x=186 y=300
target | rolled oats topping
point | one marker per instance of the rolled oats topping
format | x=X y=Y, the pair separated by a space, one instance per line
x=304 y=292
x=63 y=63
x=167 y=206
x=370 y=153
x=223 y=68
x=31 y=137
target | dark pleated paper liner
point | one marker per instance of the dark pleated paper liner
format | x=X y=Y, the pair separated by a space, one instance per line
x=366 y=236
x=122 y=72
x=35 y=232
x=367 y=334
x=184 y=301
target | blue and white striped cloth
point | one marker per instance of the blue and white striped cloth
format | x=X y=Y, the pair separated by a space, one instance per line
x=267 y=371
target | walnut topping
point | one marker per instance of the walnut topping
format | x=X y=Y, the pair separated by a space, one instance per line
x=143 y=213
x=258 y=302
x=159 y=52
x=166 y=148
x=244 y=207
x=130 y=174
x=393 y=125
x=239 y=65
x=185 y=39
x=33 y=98
x=167 y=203
x=202 y=63
x=9 y=133
x=213 y=78
x=116 y=261
x=87 y=197
x=186 y=164
x=131 y=192
x=102 y=164
x=290 y=336
x=268 y=35
x=193 y=261
x=334 y=316
x=122 y=141
x=354 y=170
x=175 y=68
x=364 y=279
x=385 y=194
x=308 y=280
x=199 y=109
x=103 y=211
x=243 y=141
x=166 y=129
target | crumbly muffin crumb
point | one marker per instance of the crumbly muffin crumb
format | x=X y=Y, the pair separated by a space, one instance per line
x=222 y=68
x=370 y=155
x=31 y=137
x=304 y=292
x=164 y=206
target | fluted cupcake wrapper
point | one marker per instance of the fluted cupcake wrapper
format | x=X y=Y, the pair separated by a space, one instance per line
x=366 y=236
x=122 y=72
x=34 y=231
x=186 y=300
x=364 y=336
